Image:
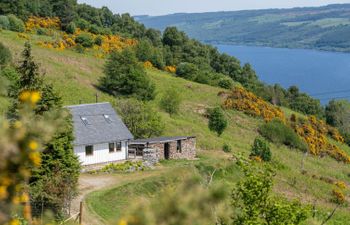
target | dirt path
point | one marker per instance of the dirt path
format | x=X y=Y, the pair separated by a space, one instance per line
x=96 y=182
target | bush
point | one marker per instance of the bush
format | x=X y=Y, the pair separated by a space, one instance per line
x=85 y=40
x=41 y=31
x=170 y=101
x=98 y=40
x=94 y=29
x=71 y=28
x=261 y=149
x=226 y=83
x=4 y=23
x=82 y=24
x=217 y=120
x=5 y=55
x=79 y=48
x=279 y=133
x=15 y=24
x=226 y=148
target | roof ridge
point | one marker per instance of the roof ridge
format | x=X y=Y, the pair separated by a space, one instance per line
x=87 y=104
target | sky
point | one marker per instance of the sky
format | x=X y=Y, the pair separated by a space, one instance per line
x=162 y=7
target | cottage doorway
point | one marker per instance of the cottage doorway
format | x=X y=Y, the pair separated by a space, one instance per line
x=166 y=150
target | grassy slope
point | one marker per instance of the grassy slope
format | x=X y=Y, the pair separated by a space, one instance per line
x=76 y=75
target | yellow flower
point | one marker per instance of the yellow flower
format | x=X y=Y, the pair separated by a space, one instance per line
x=3 y=192
x=123 y=222
x=33 y=145
x=24 y=96
x=24 y=197
x=16 y=200
x=14 y=222
x=35 y=158
x=35 y=97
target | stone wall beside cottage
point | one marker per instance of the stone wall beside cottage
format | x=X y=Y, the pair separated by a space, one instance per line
x=188 y=149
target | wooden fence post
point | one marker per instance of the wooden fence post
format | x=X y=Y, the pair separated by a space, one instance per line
x=81 y=213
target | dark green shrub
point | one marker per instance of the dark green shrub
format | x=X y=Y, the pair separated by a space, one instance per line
x=98 y=40
x=217 y=120
x=279 y=133
x=79 y=48
x=170 y=101
x=95 y=29
x=85 y=40
x=226 y=83
x=5 y=55
x=4 y=22
x=82 y=24
x=226 y=148
x=41 y=31
x=15 y=24
x=261 y=149
x=187 y=70
x=71 y=28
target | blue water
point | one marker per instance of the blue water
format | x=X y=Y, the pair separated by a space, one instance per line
x=312 y=71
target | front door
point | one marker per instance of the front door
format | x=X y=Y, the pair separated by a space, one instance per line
x=166 y=150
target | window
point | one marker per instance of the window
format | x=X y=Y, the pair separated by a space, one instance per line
x=107 y=118
x=178 y=147
x=85 y=121
x=111 y=147
x=119 y=146
x=89 y=150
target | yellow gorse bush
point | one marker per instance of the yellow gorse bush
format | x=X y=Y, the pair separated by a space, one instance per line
x=42 y=22
x=312 y=130
x=245 y=101
x=170 y=69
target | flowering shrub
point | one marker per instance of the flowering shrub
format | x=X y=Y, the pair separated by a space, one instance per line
x=245 y=101
x=42 y=22
x=148 y=65
x=314 y=132
x=341 y=184
x=338 y=196
x=170 y=69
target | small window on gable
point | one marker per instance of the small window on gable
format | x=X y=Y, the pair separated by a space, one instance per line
x=119 y=146
x=111 y=147
x=179 y=147
x=89 y=150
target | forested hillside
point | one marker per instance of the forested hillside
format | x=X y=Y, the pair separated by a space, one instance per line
x=325 y=28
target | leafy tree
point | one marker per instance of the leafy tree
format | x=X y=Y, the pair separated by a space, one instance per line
x=338 y=115
x=4 y=22
x=125 y=76
x=261 y=149
x=172 y=37
x=217 y=120
x=226 y=83
x=5 y=55
x=71 y=28
x=253 y=204
x=187 y=70
x=170 y=101
x=140 y=118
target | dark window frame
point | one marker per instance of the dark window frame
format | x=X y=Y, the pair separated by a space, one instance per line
x=118 y=146
x=179 y=146
x=111 y=147
x=89 y=150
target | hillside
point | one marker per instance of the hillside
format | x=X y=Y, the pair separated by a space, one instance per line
x=75 y=76
x=325 y=28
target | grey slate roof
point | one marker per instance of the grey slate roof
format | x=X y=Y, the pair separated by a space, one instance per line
x=97 y=123
x=159 y=140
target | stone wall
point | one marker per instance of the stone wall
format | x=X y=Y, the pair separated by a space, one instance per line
x=188 y=149
x=150 y=158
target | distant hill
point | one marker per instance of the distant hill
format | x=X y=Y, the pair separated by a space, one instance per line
x=325 y=28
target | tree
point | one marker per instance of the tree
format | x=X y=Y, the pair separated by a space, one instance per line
x=5 y=55
x=217 y=120
x=140 y=118
x=30 y=79
x=15 y=24
x=125 y=76
x=53 y=185
x=170 y=101
x=253 y=204
x=187 y=70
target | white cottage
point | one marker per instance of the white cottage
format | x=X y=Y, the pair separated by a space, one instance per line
x=100 y=134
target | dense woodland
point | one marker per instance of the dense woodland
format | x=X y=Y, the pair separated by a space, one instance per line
x=326 y=28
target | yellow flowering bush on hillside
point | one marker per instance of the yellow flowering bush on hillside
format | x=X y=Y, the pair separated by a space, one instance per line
x=35 y=22
x=21 y=142
x=315 y=132
x=245 y=101
x=170 y=69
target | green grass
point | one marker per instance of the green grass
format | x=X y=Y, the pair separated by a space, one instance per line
x=76 y=76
